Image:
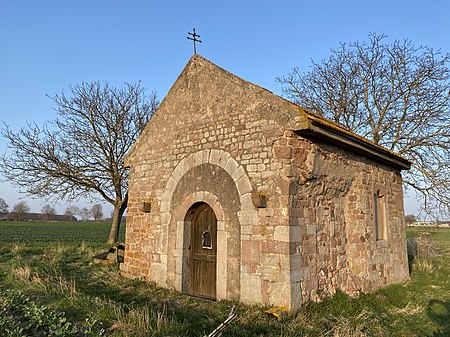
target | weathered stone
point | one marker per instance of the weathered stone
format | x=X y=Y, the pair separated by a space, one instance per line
x=281 y=233
x=283 y=152
x=251 y=288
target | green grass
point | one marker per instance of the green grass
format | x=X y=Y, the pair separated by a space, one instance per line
x=47 y=232
x=49 y=285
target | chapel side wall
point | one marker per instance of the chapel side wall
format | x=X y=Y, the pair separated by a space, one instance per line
x=375 y=263
x=332 y=216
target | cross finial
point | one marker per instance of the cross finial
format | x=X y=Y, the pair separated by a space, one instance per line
x=193 y=36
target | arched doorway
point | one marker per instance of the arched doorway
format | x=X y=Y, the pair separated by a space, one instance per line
x=203 y=252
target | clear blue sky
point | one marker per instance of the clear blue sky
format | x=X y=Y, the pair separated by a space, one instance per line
x=48 y=45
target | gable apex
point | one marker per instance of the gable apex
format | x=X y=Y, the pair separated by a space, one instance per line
x=201 y=61
x=204 y=87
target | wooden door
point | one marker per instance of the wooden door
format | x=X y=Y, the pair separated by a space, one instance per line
x=203 y=252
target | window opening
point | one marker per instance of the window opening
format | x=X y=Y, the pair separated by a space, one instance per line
x=379 y=216
x=206 y=240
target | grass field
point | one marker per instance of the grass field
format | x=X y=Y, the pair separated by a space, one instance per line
x=49 y=287
x=48 y=232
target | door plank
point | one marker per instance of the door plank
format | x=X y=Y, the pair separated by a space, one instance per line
x=204 y=252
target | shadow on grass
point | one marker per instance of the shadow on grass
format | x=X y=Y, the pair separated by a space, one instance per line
x=410 y=263
x=439 y=312
x=190 y=315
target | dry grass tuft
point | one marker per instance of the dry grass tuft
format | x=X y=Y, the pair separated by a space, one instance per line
x=22 y=273
x=47 y=282
x=142 y=320
x=60 y=249
x=66 y=287
x=410 y=309
x=424 y=264
x=16 y=248
x=345 y=327
x=86 y=250
x=423 y=246
x=41 y=281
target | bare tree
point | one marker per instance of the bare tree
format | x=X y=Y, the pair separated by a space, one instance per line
x=410 y=218
x=397 y=95
x=71 y=211
x=20 y=209
x=81 y=153
x=3 y=206
x=97 y=212
x=85 y=214
x=48 y=210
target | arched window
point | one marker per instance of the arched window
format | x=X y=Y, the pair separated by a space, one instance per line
x=207 y=240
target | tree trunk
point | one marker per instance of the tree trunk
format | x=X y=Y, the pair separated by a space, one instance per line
x=119 y=209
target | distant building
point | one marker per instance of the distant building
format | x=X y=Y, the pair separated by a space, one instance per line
x=12 y=216
x=429 y=224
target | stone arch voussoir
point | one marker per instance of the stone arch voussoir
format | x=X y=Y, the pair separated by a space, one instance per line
x=247 y=214
x=214 y=157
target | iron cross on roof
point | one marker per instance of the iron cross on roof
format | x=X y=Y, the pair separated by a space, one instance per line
x=193 y=36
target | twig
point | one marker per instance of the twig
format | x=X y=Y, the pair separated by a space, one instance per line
x=218 y=331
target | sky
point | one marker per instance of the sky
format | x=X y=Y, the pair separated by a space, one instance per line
x=47 y=45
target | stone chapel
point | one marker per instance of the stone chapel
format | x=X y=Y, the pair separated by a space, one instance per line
x=236 y=193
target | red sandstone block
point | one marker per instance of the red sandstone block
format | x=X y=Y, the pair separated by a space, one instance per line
x=282 y=141
x=306 y=144
x=144 y=271
x=352 y=198
x=284 y=152
x=288 y=134
x=251 y=251
x=133 y=270
x=142 y=264
x=300 y=155
x=294 y=142
x=275 y=247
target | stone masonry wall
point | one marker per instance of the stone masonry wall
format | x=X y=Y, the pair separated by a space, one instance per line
x=229 y=127
x=332 y=223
